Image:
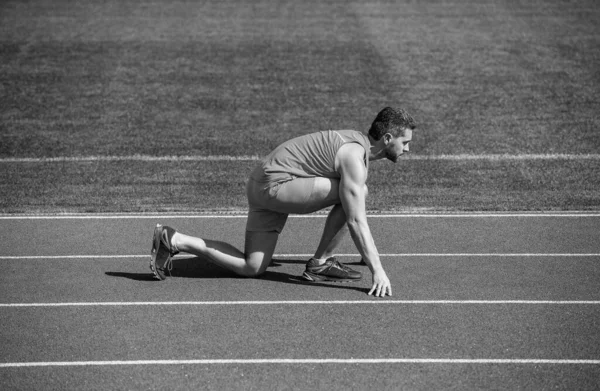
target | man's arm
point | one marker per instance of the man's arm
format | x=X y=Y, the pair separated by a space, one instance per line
x=351 y=166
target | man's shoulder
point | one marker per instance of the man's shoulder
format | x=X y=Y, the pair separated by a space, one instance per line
x=352 y=150
x=351 y=156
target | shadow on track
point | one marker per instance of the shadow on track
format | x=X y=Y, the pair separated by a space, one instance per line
x=278 y=262
x=195 y=267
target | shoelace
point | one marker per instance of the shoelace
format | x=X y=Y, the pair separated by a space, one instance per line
x=338 y=264
x=341 y=265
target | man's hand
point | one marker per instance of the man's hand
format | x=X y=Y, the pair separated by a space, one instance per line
x=381 y=285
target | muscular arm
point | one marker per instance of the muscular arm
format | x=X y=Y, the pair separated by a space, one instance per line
x=350 y=165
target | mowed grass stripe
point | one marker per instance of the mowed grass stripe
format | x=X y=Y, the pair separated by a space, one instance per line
x=217 y=158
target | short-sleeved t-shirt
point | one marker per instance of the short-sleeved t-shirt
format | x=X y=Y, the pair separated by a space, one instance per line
x=310 y=155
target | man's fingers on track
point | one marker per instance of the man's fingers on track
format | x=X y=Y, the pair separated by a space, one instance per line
x=372 y=290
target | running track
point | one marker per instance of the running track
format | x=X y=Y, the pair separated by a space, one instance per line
x=502 y=301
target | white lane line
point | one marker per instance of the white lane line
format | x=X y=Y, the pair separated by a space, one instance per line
x=275 y=256
x=242 y=214
x=303 y=302
x=307 y=361
x=434 y=255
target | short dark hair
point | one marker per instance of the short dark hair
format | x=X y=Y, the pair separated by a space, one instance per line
x=392 y=121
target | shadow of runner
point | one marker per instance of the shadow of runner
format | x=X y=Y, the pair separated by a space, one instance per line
x=133 y=276
x=292 y=279
x=195 y=267
x=278 y=262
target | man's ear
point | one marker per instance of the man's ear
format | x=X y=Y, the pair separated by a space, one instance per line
x=387 y=138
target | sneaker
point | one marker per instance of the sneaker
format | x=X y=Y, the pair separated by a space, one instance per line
x=331 y=270
x=346 y=267
x=161 y=256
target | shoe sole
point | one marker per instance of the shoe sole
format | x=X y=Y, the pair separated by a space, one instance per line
x=318 y=278
x=154 y=253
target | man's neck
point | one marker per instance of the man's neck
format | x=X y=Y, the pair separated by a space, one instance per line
x=374 y=150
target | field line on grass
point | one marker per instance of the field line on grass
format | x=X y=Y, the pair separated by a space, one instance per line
x=242 y=214
x=136 y=158
x=535 y=361
x=219 y=158
x=275 y=256
x=301 y=302
x=501 y=157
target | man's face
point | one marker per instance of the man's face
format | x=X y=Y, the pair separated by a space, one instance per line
x=396 y=146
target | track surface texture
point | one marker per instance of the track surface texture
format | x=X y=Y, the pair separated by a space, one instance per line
x=497 y=301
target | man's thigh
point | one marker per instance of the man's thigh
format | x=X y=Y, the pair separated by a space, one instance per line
x=306 y=195
x=264 y=220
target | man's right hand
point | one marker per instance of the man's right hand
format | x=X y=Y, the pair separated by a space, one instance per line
x=381 y=285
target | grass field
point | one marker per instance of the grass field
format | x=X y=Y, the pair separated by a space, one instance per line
x=187 y=78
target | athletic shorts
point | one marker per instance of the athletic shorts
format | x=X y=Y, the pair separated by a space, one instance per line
x=271 y=203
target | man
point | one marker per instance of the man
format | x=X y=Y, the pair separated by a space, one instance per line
x=304 y=175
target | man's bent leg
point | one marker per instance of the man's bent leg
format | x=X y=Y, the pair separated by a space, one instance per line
x=259 y=250
x=324 y=266
x=306 y=195
x=333 y=233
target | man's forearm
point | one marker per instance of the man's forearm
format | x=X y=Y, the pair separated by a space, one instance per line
x=363 y=240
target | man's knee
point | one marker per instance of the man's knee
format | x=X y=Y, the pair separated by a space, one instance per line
x=256 y=264
x=251 y=271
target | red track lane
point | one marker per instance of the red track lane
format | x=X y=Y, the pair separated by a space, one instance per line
x=305 y=330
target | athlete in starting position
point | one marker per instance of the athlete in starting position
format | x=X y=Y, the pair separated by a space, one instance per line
x=304 y=175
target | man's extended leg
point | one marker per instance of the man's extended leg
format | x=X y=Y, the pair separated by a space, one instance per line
x=259 y=250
